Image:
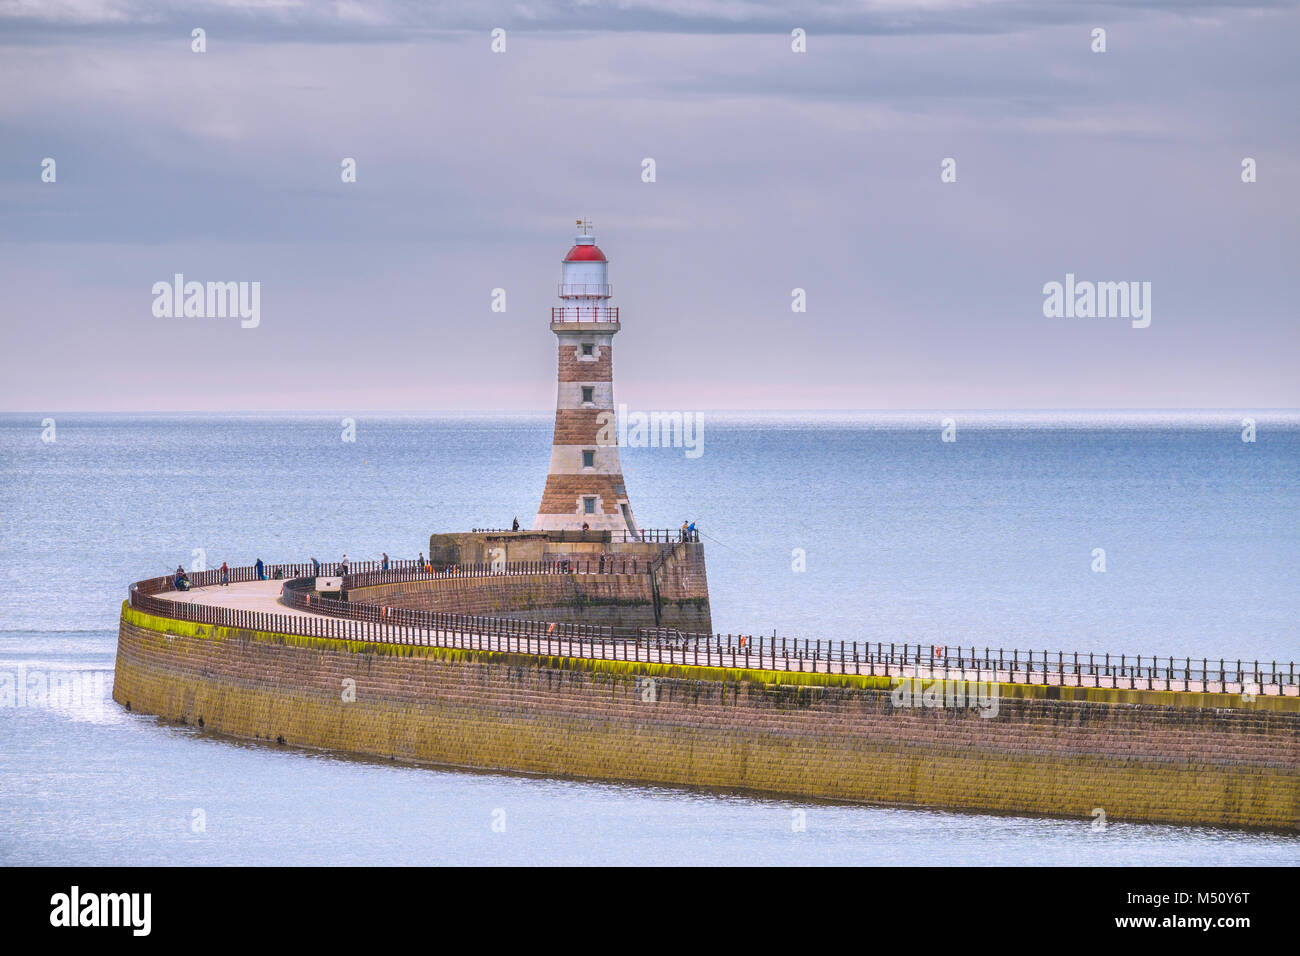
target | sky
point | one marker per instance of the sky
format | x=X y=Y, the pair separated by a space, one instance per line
x=775 y=170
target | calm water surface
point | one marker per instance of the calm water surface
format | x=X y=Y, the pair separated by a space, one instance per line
x=986 y=541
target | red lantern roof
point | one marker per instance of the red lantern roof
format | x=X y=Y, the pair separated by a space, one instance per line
x=585 y=253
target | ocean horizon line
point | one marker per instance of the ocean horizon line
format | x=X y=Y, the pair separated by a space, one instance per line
x=977 y=415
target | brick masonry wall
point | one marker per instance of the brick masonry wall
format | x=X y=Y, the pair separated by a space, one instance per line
x=683 y=582
x=574 y=369
x=620 y=599
x=809 y=736
x=562 y=493
x=582 y=426
x=683 y=574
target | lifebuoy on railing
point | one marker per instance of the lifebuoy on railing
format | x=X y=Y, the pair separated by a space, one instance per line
x=938 y=651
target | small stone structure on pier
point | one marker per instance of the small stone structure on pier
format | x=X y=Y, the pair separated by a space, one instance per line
x=655 y=579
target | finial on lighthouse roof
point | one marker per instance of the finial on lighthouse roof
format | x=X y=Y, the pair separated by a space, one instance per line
x=584 y=248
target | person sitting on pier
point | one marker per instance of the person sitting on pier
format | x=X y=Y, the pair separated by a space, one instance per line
x=181 y=580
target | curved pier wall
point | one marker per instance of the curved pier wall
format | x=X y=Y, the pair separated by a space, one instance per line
x=617 y=599
x=1139 y=756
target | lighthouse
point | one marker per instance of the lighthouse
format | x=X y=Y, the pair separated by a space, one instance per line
x=584 y=485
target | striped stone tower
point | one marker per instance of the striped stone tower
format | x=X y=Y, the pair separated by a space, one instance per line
x=585 y=482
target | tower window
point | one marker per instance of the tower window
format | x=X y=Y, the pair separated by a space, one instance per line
x=588 y=349
x=589 y=506
x=588 y=459
x=588 y=394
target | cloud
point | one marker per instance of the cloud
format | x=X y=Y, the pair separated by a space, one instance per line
x=394 y=20
x=775 y=171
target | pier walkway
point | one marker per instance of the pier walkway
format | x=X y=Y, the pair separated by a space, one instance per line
x=287 y=606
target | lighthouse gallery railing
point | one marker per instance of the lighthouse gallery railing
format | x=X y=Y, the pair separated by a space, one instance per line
x=595 y=313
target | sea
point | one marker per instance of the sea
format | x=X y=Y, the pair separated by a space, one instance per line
x=1153 y=533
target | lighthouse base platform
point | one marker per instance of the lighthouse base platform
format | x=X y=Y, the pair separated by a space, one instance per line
x=658 y=581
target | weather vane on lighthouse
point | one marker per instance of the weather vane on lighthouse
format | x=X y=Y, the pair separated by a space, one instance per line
x=584 y=486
